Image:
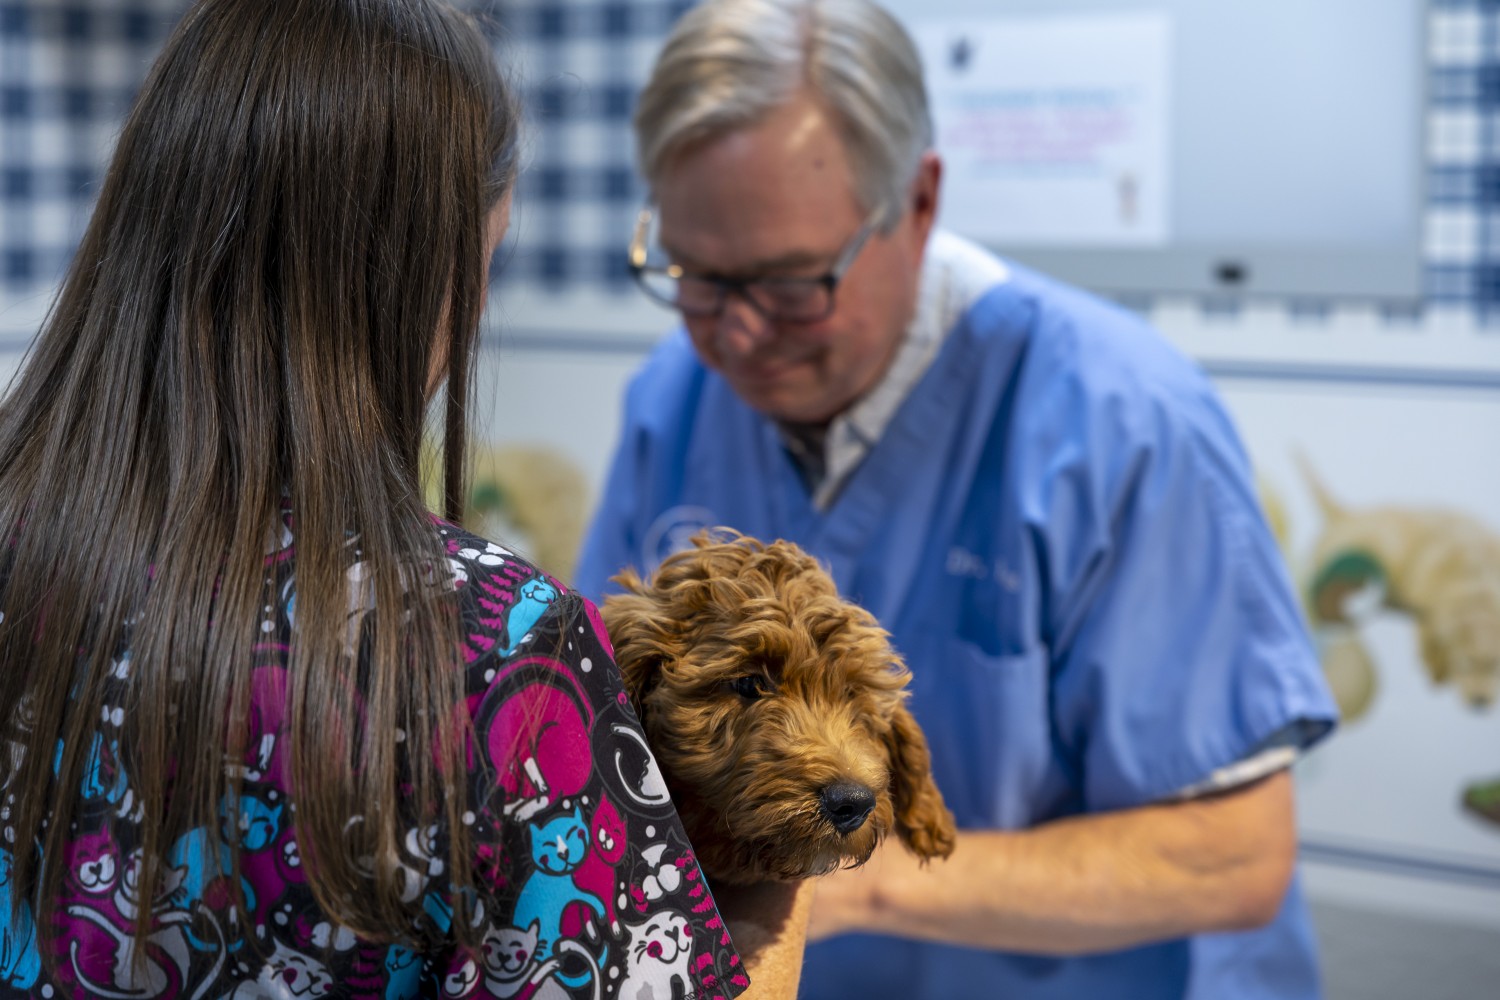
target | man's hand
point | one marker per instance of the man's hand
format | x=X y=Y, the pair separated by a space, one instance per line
x=845 y=900
x=1086 y=883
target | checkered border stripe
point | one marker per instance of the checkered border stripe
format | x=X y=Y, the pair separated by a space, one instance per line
x=69 y=68
x=1462 y=247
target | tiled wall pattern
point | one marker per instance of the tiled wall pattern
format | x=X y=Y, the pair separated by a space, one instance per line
x=68 y=72
x=583 y=63
x=1463 y=221
x=69 y=67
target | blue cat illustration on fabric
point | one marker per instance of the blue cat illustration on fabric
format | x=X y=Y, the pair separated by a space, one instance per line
x=202 y=855
x=20 y=963
x=533 y=598
x=558 y=847
x=102 y=776
x=403 y=968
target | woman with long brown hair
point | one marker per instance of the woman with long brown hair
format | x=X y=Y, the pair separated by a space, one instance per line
x=273 y=728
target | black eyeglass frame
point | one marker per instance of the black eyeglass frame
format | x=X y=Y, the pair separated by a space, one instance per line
x=743 y=287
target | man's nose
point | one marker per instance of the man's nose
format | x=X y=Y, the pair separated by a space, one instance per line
x=741 y=328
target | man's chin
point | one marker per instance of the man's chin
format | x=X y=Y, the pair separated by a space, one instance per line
x=787 y=405
x=793 y=414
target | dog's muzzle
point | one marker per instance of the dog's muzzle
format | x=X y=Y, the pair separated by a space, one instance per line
x=847 y=805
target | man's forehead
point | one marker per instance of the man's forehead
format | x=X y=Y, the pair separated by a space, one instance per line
x=798 y=132
x=703 y=247
x=793 y=155
x=744 y=216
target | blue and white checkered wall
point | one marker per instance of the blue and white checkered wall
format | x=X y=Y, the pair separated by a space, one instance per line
x=68 y=69
x=1463 y=179
x=583 y=63
x=68 y=72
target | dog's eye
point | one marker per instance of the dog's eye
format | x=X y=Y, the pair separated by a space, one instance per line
x=750 y=686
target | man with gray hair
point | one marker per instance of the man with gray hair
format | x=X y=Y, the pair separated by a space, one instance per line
x=1044 y=503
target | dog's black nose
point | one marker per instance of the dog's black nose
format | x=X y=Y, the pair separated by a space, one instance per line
x=847 y=805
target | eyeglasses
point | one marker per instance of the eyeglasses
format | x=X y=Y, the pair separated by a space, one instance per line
x=786 y=300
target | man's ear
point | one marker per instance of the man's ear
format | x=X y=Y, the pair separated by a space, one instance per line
x=923 y=196
x=919 y=212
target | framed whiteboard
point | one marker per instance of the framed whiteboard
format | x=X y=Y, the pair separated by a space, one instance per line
x=1255 y=147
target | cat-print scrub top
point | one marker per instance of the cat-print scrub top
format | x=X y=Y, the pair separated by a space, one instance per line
x=570 y=818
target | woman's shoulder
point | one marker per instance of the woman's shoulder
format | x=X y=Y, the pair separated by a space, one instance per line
x=473 y=558
x=507 y=601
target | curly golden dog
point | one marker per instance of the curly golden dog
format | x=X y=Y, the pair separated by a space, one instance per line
x=776 y=712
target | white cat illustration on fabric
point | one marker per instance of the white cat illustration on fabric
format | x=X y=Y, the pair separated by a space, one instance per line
x=657 y=954
x=287 y=975
x=510 y=964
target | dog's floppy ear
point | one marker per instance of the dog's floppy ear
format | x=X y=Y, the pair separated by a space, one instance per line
x=923 y=823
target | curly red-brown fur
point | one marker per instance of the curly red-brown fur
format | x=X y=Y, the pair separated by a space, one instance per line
x=746 y=772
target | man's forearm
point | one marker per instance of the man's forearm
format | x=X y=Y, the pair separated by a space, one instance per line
x=1087 y=883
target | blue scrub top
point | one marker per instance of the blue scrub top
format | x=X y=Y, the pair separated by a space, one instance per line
x=1059 y=529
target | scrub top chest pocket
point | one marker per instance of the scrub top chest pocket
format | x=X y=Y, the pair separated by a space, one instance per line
x=988 y=726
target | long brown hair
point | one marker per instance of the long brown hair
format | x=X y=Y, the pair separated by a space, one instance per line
x=292 y=225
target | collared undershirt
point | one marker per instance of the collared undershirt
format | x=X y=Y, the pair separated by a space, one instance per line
x=954 y=274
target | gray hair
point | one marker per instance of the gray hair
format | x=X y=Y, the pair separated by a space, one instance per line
x=729 y=63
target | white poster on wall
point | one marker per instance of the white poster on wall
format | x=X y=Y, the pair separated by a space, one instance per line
x=1385 y=496
x=1052 y=129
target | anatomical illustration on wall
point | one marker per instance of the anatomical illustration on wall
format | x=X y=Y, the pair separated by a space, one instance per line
x=1435 y=566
